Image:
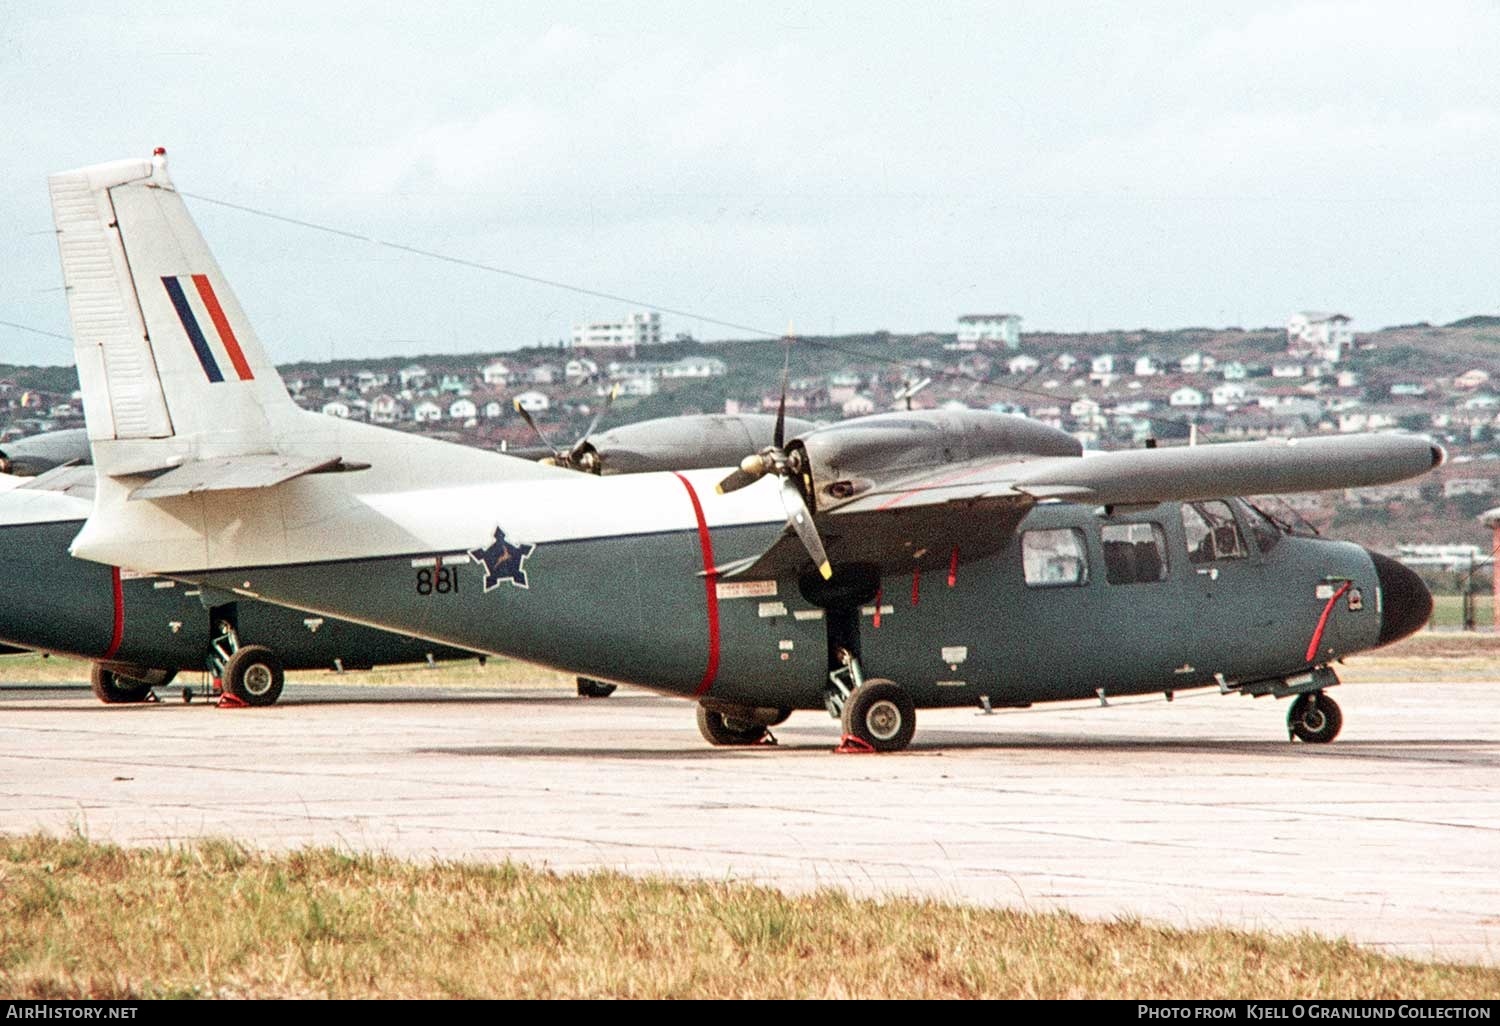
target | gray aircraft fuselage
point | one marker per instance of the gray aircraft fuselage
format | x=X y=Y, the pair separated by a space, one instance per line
x=642 y=610
x=55 y=603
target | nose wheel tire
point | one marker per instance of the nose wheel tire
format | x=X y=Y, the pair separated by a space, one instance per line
x=254 y=675
x=724 y=732
x=1314 y=718
x=881 y=714
x=112 y=689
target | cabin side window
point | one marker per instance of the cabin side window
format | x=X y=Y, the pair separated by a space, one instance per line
x=1054 y=558
x=1134 y=553
x=1211 y=532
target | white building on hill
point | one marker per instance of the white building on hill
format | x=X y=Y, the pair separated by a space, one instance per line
x=638 y=329
x=1002 y=327
x=1326 y=336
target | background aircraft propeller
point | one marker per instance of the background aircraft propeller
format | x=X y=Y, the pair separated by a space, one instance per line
x=581 y=455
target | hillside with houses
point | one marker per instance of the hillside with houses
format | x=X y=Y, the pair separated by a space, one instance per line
x=1114 y=389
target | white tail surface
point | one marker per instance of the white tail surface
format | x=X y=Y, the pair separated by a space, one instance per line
x=170 y=368
x=183 y=405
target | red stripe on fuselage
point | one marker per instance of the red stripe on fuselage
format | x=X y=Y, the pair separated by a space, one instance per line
x=221 y=323
x=711 y=589
x=117 y=635
x=1317 y=638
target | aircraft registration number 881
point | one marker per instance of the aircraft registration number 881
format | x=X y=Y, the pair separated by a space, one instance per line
x=441 y=580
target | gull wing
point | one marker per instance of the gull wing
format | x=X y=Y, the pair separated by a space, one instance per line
x=955 y=512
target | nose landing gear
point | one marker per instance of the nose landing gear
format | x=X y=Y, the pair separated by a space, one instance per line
x=1314 y=718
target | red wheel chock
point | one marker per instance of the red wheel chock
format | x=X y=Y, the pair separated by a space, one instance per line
x=229 y=700
x=851 y=745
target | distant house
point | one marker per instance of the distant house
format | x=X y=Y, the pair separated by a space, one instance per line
x=1229 y=393
x=1145 y=367
x=495 y=374
x=544 y=374
x=1472 y=379
x=1410 y=389
x=1086 y=414
x=1004 y=328
x=533 y=402
x=494 y=409
x=638 y=384
x=337 y=408
x=1023 y=364
x=455 y=384
x=1457 y=486
x=1234 y=371
x=365 y=380
x=1287 y=370
x=1186 y=398
x=1065 y=362
x=463 y=409
x=580 y=369
x=858 y=406
x=1326 y=336
x=695 y=367
x=413 y=376
x=330 y=381
x=426 y=412
x=1196 y=363
x=1361 y=420
x=386 y=409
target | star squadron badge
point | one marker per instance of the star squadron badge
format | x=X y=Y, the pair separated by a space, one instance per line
x=504 y=562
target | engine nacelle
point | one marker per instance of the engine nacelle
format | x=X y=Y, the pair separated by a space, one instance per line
x=845 y=458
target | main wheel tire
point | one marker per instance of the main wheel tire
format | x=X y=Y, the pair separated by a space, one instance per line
x=1315 y=718
x=881 y=714
x=254 y=675
x=723 y=732
x=112 y=689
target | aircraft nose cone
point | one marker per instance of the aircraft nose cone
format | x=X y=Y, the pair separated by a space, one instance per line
x=1406 y=603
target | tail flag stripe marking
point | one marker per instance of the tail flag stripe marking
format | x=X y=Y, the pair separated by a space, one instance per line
x=194 y=333
x=221 y=323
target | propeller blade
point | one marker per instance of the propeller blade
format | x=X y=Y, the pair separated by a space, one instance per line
x=576 y=453
x=778 y=439
x=736 y=480
x=801 y=521
x=526 y=416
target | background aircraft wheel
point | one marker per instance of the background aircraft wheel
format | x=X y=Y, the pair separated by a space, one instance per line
x=588 y=687
x=110 y=688
x=717 y=730
x=1315 y=718
x=881 y=714
x=254 y=674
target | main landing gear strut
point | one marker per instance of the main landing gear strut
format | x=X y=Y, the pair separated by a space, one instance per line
x=252 y=674
x=877 y=714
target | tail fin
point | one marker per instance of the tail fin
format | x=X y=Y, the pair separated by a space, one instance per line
x=170 y=368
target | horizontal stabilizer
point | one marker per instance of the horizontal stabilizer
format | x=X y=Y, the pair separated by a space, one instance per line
x=228 y=473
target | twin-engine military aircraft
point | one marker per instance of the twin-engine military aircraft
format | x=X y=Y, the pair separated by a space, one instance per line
x=869 y=567
x=140 y=631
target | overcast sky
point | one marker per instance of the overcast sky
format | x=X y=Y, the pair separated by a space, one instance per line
x=845 y=167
